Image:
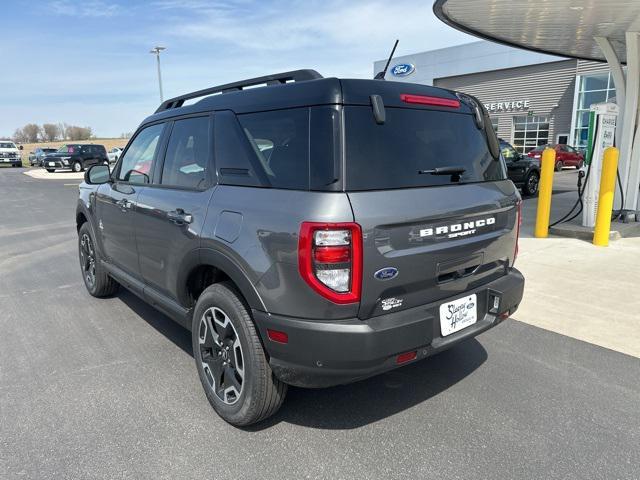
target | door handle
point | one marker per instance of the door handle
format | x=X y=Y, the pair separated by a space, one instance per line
x=124 y=204
x=179 y=217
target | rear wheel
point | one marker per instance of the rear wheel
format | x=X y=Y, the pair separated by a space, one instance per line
x=531 y=184
x=96 y=279
x=559 y=165
x=230 y=359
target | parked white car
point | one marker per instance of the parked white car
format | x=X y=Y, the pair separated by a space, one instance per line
x=9 y=154
x=114 y=154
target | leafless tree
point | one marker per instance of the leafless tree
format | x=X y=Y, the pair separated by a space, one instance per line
x=32 y=132
x=78 y=133
x=50 y=132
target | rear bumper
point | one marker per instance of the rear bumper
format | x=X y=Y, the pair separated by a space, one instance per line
x=326 y=353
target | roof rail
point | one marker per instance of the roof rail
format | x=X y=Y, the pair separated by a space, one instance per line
x=275 y=79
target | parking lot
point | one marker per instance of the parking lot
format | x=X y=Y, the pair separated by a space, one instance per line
x=108 y=388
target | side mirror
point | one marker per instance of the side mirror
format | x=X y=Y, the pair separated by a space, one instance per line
x=97 y=175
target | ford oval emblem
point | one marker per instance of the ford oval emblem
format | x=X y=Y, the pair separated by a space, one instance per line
x=403 y=69
x=386 y=273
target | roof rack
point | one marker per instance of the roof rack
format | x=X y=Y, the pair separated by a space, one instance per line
x=275 y=79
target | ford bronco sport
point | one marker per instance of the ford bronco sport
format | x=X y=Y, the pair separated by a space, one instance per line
x=311 y=232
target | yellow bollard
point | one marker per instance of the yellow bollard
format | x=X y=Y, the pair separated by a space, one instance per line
x=547 y=164
x=605 y=197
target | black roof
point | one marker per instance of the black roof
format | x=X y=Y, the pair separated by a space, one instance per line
x=308 y=92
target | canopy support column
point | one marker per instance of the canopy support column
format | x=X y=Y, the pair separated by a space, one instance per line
x=630 y=141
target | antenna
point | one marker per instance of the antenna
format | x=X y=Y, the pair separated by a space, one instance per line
x=380 y=75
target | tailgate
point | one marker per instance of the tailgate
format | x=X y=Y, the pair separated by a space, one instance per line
x=422 y=245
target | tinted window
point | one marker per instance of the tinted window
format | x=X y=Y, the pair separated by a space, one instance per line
x=135 y=165
x=280 y=142
x=391 y=155
x=187 y=157
x=508 y=152
x=236 y=161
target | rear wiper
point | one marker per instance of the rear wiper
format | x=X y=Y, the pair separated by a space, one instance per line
x=453 y=170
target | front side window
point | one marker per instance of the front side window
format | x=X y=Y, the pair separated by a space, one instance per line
x=508 y=153
x=187 y=157
x=136 y=164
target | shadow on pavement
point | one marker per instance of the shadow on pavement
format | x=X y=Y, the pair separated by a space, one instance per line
x=368 y=401
x=347 y=406
x=174 y=332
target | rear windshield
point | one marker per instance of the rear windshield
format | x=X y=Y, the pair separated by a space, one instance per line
x=390 y=155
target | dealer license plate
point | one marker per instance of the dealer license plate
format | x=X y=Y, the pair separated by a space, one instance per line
x=52 y=164
x=5 y=160
x=458 y=314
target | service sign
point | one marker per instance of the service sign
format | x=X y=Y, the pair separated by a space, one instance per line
x=403 y=69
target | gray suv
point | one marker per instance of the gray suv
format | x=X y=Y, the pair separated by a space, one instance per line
x=311 y=232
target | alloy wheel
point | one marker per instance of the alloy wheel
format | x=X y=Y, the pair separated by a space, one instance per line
x=88 y=260
x=532 y=184
x=221 y=355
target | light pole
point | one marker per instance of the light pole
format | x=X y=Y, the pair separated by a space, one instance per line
x=156 y=50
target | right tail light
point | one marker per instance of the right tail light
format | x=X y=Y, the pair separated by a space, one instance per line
x=518 y=224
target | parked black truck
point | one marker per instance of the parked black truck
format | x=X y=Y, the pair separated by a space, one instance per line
x=311 y=232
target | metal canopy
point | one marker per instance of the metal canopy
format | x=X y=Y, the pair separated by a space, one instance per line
x=558 y=27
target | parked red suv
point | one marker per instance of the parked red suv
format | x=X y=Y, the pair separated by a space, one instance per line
x=566 y=156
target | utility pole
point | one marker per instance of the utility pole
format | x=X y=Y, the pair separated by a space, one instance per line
x=156 y=50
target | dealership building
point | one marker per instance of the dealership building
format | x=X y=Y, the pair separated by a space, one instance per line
x=533 y=99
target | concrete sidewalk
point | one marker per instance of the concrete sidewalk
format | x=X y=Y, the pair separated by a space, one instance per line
x=579 y=290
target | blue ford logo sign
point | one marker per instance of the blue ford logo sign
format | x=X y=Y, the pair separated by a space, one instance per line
x=386 y=273
x=403 y=69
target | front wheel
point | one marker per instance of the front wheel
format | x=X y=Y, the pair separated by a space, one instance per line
x=559 y=165
x=531 y=184
x=51 y=170
x=230 y=359
x=77 y=167
x=96 y=279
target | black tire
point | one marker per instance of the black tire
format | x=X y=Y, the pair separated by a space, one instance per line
x=261 y=393
x=559 y=165
x=101 y=284
x=531 y=184
x=579 y=165
x=51 y=170
x=77 y=166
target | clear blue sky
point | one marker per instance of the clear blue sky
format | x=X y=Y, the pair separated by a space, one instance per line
x=87 y=62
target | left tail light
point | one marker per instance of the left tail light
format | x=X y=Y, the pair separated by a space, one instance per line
x=330 y=259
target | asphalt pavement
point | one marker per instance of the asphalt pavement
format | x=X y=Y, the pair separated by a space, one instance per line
x=108 y=389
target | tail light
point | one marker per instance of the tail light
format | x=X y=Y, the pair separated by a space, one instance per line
x=426 y=100
x=518 y=223
x=330 y=259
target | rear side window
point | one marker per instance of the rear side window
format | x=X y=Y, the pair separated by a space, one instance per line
x=135 y=165
x=187 y=157
x=280 y=141
x=391 y=155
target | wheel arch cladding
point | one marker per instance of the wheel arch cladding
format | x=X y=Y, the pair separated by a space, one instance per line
x=215 y=267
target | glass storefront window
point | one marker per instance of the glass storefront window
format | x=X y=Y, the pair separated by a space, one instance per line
x=595 y=88
x=530 y=132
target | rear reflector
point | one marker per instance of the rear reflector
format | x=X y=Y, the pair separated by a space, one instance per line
x=340 y=254
x=277 y=336
x=406 y=357
x=425 y=100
